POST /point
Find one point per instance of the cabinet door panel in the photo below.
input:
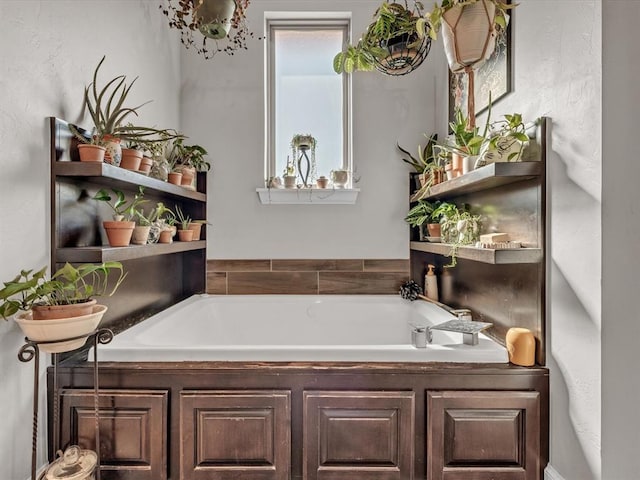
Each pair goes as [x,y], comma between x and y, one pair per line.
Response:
[358,435]
[235,434]
[477,435]
[133,430]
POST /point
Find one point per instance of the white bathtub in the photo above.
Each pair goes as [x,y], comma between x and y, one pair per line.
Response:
[288,328]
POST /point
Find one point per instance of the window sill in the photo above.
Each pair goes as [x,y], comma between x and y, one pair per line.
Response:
[303,196]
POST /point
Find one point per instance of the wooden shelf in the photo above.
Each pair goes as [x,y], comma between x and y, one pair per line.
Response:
[116,177]
[132,252]
[483,255]
[484,178]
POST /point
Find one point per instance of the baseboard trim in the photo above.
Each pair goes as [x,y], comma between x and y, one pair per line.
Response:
[551,473]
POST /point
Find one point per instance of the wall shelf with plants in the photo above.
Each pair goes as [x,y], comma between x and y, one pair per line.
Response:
[483,255]
[487,177]
[108,254]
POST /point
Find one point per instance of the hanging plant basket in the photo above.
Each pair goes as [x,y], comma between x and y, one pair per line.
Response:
[406,53]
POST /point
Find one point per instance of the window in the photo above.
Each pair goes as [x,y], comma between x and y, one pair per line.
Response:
[304,94]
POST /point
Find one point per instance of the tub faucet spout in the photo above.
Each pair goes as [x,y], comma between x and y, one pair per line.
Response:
[421,336]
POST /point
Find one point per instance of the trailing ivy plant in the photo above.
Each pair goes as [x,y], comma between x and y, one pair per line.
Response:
[392,20]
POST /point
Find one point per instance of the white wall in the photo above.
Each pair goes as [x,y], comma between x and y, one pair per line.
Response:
[223,110]
[558,71]
[48,51]
[621,230]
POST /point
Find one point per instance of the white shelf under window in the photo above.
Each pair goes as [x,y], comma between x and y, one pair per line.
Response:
[306,196]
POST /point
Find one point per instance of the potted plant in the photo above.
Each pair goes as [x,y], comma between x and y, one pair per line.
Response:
[108,110]
[390,43]
[507,139]
[120,230]
[459,227]
[131,155]
[466,143]
[188,159]
[469,29]
[209,20]
[142,229]
[429,214]
[61,308]
[91,147]
[185,234]
[427,165]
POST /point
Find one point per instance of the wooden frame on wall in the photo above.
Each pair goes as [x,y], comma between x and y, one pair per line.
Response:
[495,76]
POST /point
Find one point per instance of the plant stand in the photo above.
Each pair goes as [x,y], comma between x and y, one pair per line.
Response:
[30,351]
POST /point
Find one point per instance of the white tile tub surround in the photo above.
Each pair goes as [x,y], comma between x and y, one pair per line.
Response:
[352,328]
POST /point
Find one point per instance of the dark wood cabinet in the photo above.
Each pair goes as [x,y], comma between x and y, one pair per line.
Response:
[358,435]
[310,421]
[133,430]
[474,435]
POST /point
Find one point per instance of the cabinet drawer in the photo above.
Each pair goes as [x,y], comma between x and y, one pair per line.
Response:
[133,430]
[235,434]
[358,435]
[483,434]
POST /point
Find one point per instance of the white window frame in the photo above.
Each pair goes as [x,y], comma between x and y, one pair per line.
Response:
[311,21]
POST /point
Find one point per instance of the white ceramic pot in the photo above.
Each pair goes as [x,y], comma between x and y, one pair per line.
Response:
[215,17]
[469,163]
[469,35]
[289,181]
[339,178]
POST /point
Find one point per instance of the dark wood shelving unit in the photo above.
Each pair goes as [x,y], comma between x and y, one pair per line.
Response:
[158,275]
[115,177]
[483,255]
[132,252]
[484,178]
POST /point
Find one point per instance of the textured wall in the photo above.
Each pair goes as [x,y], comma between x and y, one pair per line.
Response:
[620,229]
[223,109]
[48,51]
[558,71]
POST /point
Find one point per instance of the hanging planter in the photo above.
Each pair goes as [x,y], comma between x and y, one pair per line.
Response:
[214,17]
[469,34]
[469,30]
[391,44]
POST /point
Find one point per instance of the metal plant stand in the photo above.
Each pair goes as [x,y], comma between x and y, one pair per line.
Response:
[31,350]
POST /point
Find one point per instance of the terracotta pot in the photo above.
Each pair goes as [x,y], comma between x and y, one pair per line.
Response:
[140,235]
[145,165]
[91,153]
[437,176]
[456,162]
[188,177]
[113,155]
[50,312]
[175,178]
[166,236]
[185,235]
[434,230]
[131,159]
[119,233]
[469,34]
[196,227]
[322,182]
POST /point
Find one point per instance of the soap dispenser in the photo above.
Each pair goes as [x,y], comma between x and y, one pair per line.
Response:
[431,283]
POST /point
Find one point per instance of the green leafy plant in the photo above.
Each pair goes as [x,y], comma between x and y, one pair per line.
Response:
[426,155]
[507,133]
[68,285]
[119,204]
[459,228]
[432,21]
[426,212]
[108,111]
[187,155]
[183,220]
[392,20]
